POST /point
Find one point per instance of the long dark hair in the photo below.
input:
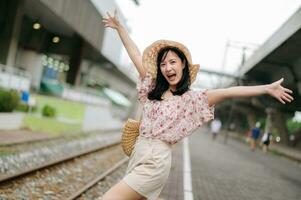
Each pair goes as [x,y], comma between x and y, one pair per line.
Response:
[162,84]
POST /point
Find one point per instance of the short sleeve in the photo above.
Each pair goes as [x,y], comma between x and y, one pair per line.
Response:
[201,112]
[144,86]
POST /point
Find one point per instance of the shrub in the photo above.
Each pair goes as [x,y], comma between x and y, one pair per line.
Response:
[9,100]
[293,126]
[48,111]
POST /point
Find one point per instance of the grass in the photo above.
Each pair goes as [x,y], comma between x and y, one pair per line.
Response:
[50,125]
[278,153]
[4,153]
[65,109]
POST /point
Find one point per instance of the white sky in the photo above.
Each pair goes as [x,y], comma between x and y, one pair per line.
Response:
[205,26]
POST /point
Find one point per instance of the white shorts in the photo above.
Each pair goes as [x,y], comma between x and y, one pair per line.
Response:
[149,167]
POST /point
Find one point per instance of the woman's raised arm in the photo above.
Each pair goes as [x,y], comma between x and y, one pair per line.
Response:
[130,46]
[275,90]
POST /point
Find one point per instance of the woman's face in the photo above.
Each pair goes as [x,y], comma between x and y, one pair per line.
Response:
[172,68]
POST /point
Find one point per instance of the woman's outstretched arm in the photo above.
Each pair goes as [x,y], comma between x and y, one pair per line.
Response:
[130,46]
[275,90]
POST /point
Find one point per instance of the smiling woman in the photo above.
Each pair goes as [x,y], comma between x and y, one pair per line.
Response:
[171,111]
[171,66]
[172,72]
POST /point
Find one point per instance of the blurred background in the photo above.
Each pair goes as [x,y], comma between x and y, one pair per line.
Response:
[68,85]
[70,74]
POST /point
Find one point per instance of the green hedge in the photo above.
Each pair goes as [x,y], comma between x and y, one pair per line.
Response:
[9,100]
[48,111]
[293,126]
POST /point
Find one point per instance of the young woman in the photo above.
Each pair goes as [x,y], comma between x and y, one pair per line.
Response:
[171,111]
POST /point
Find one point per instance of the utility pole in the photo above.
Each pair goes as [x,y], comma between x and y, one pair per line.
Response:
[243,46]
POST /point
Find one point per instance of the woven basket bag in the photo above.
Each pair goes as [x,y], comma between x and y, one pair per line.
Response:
[129,136]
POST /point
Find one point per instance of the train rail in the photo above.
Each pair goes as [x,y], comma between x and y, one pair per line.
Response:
[106,159]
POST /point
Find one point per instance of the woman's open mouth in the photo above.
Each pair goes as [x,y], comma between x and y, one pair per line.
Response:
[171,77]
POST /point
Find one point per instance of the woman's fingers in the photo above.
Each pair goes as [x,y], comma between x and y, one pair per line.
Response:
[107,22]
[110,21]
[280,80]
[289,96]
[285,98]
[109,15]
[288,90]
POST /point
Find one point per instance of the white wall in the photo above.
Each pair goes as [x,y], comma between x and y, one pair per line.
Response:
[100,118]
[32,62]
[12,78]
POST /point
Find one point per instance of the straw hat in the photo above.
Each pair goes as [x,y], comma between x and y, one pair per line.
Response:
[150,54]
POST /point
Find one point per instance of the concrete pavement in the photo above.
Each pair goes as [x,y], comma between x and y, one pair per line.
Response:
[232,172]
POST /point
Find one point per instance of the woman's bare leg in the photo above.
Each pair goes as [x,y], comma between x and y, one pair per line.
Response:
[121,191]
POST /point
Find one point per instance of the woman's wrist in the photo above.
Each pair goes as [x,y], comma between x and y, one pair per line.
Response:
[267,89]
[119,27]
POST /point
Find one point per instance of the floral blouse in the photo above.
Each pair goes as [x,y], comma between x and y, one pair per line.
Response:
[173,118]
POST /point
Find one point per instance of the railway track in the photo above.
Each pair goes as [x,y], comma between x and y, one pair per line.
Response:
[27,156]
[102,176]
[64,178]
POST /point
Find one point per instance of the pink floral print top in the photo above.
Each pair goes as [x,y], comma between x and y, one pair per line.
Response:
[173,118]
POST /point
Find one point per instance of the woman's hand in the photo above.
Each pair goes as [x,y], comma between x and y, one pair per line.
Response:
[128,43]
[281,93]
[111,22]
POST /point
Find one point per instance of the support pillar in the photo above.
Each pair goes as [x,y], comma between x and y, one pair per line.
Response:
[276,119]
[73,76]
[11,14]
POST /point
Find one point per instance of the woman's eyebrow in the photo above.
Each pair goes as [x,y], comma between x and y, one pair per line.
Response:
[163,61]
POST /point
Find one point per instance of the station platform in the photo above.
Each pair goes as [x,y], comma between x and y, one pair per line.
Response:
[230,171]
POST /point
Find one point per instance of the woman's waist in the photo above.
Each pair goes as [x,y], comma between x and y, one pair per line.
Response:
[151,140]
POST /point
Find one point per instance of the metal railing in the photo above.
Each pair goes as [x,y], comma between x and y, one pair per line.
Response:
[14,78]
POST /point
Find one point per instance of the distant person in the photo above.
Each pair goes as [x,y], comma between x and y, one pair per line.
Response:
[255,133]
[266,139]
[171,110]
[215,127]
[25,96]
